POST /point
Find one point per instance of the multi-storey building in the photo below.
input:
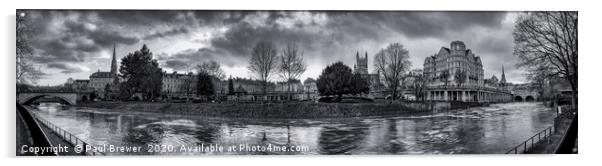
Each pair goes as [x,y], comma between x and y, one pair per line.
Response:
[450,61]
[295,86]
[81,84]
[443,69]
[178,84]
[310,90]
[100,80]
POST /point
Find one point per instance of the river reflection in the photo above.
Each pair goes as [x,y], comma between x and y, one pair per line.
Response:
[492,129]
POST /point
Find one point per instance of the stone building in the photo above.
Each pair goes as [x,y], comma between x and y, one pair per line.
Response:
[100,80]
[310,90]
[251,90]
[361,67]
[361,64]
[178,84]
[81,84]
[492,82]
[453,60]
[459,59]
[295,85]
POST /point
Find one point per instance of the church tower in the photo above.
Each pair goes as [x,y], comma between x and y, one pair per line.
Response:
[114,62]
[361,64]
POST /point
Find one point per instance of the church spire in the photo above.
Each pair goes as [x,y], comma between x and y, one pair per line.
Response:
[114,61]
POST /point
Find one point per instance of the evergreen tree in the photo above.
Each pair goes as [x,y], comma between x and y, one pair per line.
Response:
[336,79]
[205,85]
[360,84]
[142,74]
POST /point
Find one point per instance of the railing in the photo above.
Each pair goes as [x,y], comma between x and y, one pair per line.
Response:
[481,87]
[568,141]
[67,136]
[37,135]
[527,145]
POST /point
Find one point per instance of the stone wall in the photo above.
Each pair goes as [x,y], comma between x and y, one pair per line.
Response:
[268,110]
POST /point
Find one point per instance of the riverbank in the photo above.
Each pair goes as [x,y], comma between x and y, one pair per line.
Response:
[562,133]
[267,110]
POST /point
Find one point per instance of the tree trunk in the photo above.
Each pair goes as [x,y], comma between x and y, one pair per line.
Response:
[289,91]
[265,93]
[393,94]
[574,92]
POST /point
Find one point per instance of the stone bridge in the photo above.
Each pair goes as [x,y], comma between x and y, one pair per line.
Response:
[68,97]
[524,93]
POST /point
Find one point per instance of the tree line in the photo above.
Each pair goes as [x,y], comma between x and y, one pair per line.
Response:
[141,74]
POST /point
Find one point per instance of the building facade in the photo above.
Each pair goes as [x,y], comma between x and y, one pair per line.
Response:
[361,67]
[81,84]
[449,62]
[361,64]
[178,84]
[283,86]
[100,80]
[456,74]
[310,90]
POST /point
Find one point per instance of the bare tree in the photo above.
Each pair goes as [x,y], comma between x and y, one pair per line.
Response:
[212,68]
[392,63]
[291,65]
[26,71]
[263,62]
[548,41]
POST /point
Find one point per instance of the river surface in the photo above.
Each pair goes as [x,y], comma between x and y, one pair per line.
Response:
[480,130]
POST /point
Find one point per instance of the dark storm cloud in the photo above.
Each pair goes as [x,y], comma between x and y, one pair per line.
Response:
[72,37]
[414,23]
[141,18]
[67,69]
[77,35]
[240,39]
[58,66]
[341,27]
[221,17]
[167,33]
[495,44]
[325,36]
[100,37]
[351,27]
[177,65]
[187,59]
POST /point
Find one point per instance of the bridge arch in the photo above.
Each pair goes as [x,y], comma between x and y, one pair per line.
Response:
[518,98]
[529,98]
[26,100]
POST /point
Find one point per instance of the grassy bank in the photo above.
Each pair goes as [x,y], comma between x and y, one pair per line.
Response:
[257,110]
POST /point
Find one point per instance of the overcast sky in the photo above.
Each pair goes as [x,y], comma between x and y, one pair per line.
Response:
[78,43]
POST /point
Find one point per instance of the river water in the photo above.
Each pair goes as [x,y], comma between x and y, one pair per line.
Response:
[480,130]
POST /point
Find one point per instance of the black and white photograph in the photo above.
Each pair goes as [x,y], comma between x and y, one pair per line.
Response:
[300,83]
[102,82]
